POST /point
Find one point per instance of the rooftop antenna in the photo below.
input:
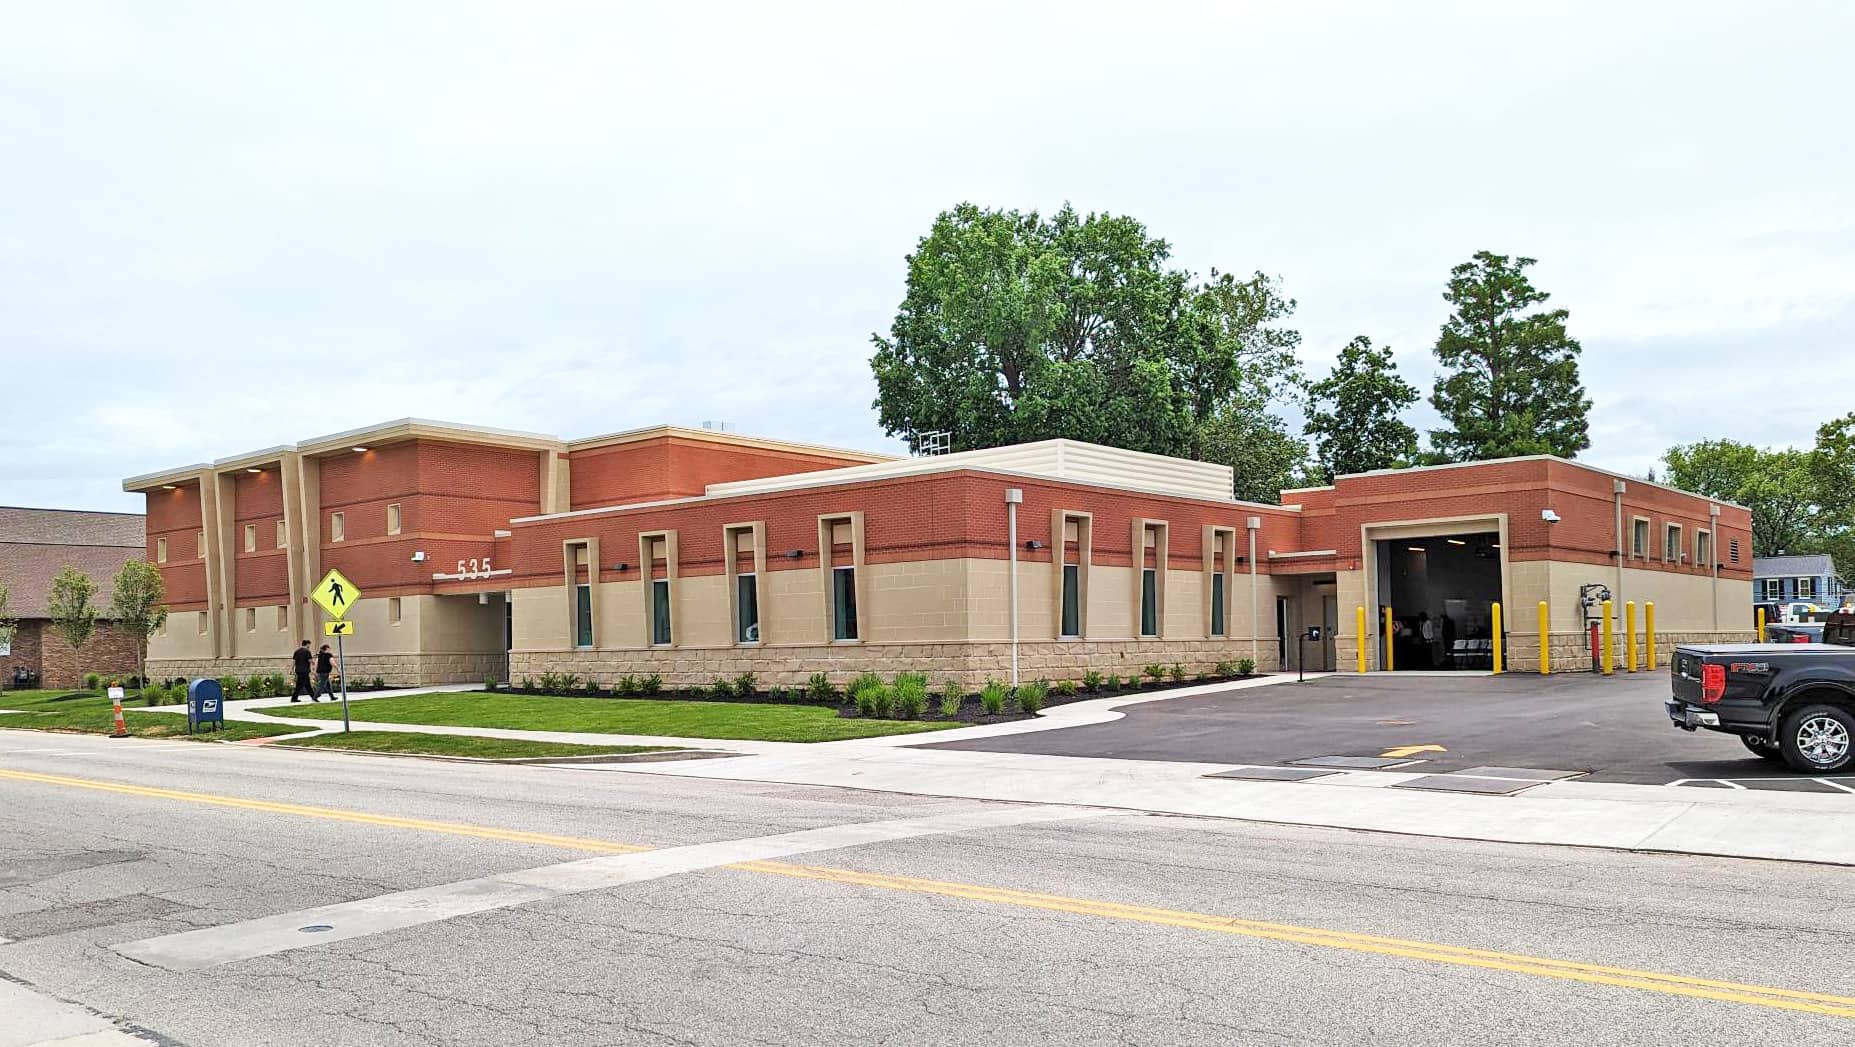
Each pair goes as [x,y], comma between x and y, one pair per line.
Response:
[933,442]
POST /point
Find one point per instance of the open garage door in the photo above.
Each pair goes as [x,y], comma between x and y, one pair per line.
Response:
[1441,591]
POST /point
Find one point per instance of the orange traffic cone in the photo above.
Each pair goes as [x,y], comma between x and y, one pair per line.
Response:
[122,729]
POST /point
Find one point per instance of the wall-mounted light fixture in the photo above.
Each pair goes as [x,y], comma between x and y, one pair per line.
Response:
[795,554]
[418,556]
[621,567]
[358,450]
[254,469]
[1243,559]
[169,487]
[1033,544]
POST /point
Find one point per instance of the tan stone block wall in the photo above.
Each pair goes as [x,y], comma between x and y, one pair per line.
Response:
[266,641]
[923,601]
[792,608]
[183,639]
[539,622]
[702,615]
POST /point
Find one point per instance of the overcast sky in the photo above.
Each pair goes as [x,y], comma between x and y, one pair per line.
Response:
[228,226]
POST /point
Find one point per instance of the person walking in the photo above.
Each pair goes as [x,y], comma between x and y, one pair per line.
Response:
[325,666]
[301,657]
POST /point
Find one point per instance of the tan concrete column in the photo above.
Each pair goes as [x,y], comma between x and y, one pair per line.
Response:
[220,542]
[215,567]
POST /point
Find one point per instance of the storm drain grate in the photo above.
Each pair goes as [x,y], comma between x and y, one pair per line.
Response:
[1274,774]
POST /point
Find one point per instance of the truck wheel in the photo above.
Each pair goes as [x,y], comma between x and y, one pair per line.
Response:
[1762,748]
[1817,739]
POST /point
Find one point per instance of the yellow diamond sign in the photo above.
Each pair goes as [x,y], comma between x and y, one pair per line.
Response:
[338,628]
[335,594]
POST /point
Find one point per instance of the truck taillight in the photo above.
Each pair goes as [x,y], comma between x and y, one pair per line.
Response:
[1800,638]
[1712,683]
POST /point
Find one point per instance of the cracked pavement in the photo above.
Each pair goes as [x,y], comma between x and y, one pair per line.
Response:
[735,956]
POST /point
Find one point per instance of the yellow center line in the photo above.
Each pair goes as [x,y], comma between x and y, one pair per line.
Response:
[1432,952]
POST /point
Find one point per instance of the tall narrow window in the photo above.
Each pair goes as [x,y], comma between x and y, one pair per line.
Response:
[1671,543]
[1703,549]
[283,534]
[844,603]
[283,617]
[1149,555]
[660,611]
[199,545]
[1149,602]
[746,608]
[582,615]
[161,550]
[1732,549]
[251,619]
[1217,604]
[1639,537]
[338,527]
[202,621]
[392,518]
[251,538]
[393,610]
[1072,599]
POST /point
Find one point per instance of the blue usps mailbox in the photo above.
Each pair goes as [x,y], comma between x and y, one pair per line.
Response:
[205,704]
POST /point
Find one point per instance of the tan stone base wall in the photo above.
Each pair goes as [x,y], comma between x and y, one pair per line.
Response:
[399,670]
[1571,651]
[970,664]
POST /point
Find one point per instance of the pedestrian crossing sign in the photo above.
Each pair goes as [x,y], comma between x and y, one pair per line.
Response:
[336,595]
[338,628]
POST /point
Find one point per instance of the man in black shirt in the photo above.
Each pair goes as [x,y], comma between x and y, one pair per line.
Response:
[325,667]
[300,658]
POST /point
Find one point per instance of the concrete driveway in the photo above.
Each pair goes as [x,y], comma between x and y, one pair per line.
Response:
[1612,729]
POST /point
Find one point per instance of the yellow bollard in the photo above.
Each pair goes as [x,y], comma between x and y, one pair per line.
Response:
[1359,620]
[1388,658]
[1545,645]
[1648,629]
[1608,660]
[1629,635]
[1497,639]
[1761,625]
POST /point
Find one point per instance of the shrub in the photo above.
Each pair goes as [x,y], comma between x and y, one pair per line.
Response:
[779,694]
[153,696]
[261,687]
[528,684]
[592,686]
[280,684]
[992,697]
[819,688]
[911,695]
[1064,688]
[569,681]
[1155,672]
[231,685]
[1202,677]
[865,682]
[550,681]
[92,681]
[876,702]
[1246,666]
[1091,680]
[652,684]
[1225,669]
[951,698]
[1031,696]
[627,685]
[490,682]
[1114,682]
[721,689]
[1177,672]
[746,686]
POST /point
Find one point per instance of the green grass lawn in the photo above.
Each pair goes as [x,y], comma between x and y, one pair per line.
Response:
[43,711]
[465,745]
[674,719]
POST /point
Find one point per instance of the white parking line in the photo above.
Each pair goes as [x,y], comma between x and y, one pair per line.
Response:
[211,946]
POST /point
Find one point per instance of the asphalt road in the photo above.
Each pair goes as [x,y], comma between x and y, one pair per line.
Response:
[1614,729]
[170,885]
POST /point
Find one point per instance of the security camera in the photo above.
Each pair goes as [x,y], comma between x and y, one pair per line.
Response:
[418,557]
[1549,516]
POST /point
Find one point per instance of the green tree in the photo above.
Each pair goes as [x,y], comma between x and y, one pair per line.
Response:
[137,606]
[1353,413]
[1779,486]
[1510,381]
[1266,458]
[1014,327]
[69,606]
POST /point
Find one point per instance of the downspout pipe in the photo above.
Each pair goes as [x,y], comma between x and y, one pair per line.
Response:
[1617,487]
[1254,524]
[1013,498]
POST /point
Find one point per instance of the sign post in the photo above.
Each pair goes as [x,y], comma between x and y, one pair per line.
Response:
[337,595]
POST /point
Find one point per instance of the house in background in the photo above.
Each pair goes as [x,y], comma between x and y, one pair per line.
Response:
[1805,578]
[34,545]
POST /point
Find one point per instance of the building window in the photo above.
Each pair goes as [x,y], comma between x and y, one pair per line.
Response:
[392,610]
[392,518]
[660,612]
[1072,600]
[283,617]
[1149,601]
[1806,588]
[844,603]
[1703,549]
[583,615]
[199,545]
[1150,557]
[251,619]
[283,534]
[1732,550]
[1774,588]
[251,538]
[1671,543]
[338,527]
[161,550]
[1639,537]
[746,608]
[1217,604]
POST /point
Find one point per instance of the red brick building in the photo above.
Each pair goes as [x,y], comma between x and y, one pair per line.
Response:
[34,545]
[697,554]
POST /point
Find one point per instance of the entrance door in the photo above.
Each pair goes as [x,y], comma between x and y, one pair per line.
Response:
[1330,628]
[1286,648]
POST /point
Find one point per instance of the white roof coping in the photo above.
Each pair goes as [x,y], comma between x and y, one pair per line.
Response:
[1627,478]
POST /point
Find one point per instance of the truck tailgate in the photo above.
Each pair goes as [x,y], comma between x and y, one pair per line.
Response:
[1684,675]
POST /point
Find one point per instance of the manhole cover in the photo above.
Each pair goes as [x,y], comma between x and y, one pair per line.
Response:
[316,928]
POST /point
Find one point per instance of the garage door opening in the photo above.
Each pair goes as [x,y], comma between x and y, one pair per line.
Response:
[1441,591]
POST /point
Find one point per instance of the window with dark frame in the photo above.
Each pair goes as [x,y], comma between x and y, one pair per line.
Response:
[844,603]
[660,612]
[582,615]
[746,608]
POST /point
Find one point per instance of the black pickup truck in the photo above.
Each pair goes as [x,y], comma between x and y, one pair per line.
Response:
[1789,702]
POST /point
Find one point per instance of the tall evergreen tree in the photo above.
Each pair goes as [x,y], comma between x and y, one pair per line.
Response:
[1510,382]
[1353,413]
